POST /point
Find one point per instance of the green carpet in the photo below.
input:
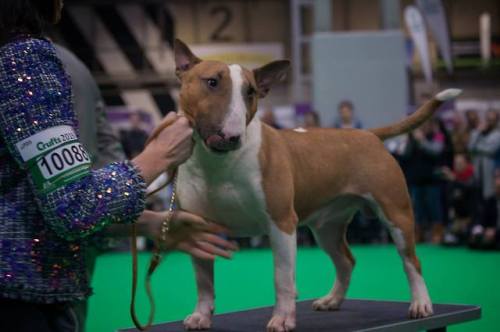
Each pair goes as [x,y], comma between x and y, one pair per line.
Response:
[453,276]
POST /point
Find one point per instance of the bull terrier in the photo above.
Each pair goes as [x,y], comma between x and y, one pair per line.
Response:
[256,180]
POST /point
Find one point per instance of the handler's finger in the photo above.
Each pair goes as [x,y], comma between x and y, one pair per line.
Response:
[188,248]
[198,253]
[216,229]
[219,241]
[189,218]
[168,120]
[183,217]
[171,117]
[214,250]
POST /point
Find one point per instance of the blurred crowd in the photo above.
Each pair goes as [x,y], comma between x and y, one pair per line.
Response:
[453,174]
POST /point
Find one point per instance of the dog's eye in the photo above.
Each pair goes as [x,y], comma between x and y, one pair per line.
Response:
[212,82]
[250,92]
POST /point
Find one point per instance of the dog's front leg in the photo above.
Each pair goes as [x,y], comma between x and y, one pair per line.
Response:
[284,248]
[201,318]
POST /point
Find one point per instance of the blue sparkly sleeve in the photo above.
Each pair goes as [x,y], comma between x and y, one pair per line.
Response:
[35,97]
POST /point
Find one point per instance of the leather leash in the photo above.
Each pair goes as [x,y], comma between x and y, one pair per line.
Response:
[157,257]
[151,269]
[153,263]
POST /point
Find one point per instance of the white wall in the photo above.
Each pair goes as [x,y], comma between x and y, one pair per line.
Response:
[367,68]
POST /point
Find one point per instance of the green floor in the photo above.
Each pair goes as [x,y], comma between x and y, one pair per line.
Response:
[453,276]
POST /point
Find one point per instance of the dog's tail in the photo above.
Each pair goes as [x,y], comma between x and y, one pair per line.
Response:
[418,117]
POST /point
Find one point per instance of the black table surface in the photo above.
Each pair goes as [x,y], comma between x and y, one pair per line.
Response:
[355,315]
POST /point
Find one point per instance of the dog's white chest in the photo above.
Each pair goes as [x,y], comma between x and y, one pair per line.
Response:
[226,189]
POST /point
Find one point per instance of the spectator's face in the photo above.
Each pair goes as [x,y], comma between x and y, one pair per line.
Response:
[458,122]
[310,120]
[428,127]
[491,119]
[345,113]
[135,120]
[459,163]
[472,119]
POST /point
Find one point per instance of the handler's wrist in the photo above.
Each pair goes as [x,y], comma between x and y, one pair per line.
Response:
[143,229]
[150,165]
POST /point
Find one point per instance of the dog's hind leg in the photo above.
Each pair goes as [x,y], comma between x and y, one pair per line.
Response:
[201,318]
[331,237]
[421,305]
[398,216]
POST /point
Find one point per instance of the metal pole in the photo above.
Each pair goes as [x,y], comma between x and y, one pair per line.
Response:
[391,13]
[322,15]
[296,28]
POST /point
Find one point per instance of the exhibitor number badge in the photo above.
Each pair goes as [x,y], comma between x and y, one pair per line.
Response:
[54,157]
[62,159]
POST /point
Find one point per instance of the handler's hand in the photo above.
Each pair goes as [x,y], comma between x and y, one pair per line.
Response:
[170,145]
[174,142]
[194,235]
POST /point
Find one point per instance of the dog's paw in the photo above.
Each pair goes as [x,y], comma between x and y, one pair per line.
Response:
[327,303]
[197,321]
[281,323]
[420,309]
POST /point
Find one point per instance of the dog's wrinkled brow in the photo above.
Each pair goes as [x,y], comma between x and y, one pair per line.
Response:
[219,74]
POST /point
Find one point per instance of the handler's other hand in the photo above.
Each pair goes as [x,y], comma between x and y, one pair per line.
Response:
[196,236]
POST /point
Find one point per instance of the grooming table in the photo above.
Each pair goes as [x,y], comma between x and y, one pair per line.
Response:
[355,315]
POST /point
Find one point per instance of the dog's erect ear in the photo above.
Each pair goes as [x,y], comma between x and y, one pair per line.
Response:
[184,58]
[270,74]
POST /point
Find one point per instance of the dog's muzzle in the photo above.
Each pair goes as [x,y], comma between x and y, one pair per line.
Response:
[220,143]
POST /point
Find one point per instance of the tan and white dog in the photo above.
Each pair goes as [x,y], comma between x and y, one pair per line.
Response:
[256,180]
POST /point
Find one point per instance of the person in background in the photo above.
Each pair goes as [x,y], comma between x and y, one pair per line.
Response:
[346,118]
[95,132]
[446,160]
[421,160]
[461,192]
[472,120]
[484,146]
[462,130]
[268,118]
[311,119]
[134,138]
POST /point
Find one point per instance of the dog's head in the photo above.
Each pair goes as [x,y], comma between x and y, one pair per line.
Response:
[220,100]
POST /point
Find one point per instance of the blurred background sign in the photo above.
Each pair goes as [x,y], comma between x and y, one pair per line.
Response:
[418,32]
[435,16]
[249,55]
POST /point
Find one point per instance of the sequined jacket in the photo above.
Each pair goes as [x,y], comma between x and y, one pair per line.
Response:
[42,234]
